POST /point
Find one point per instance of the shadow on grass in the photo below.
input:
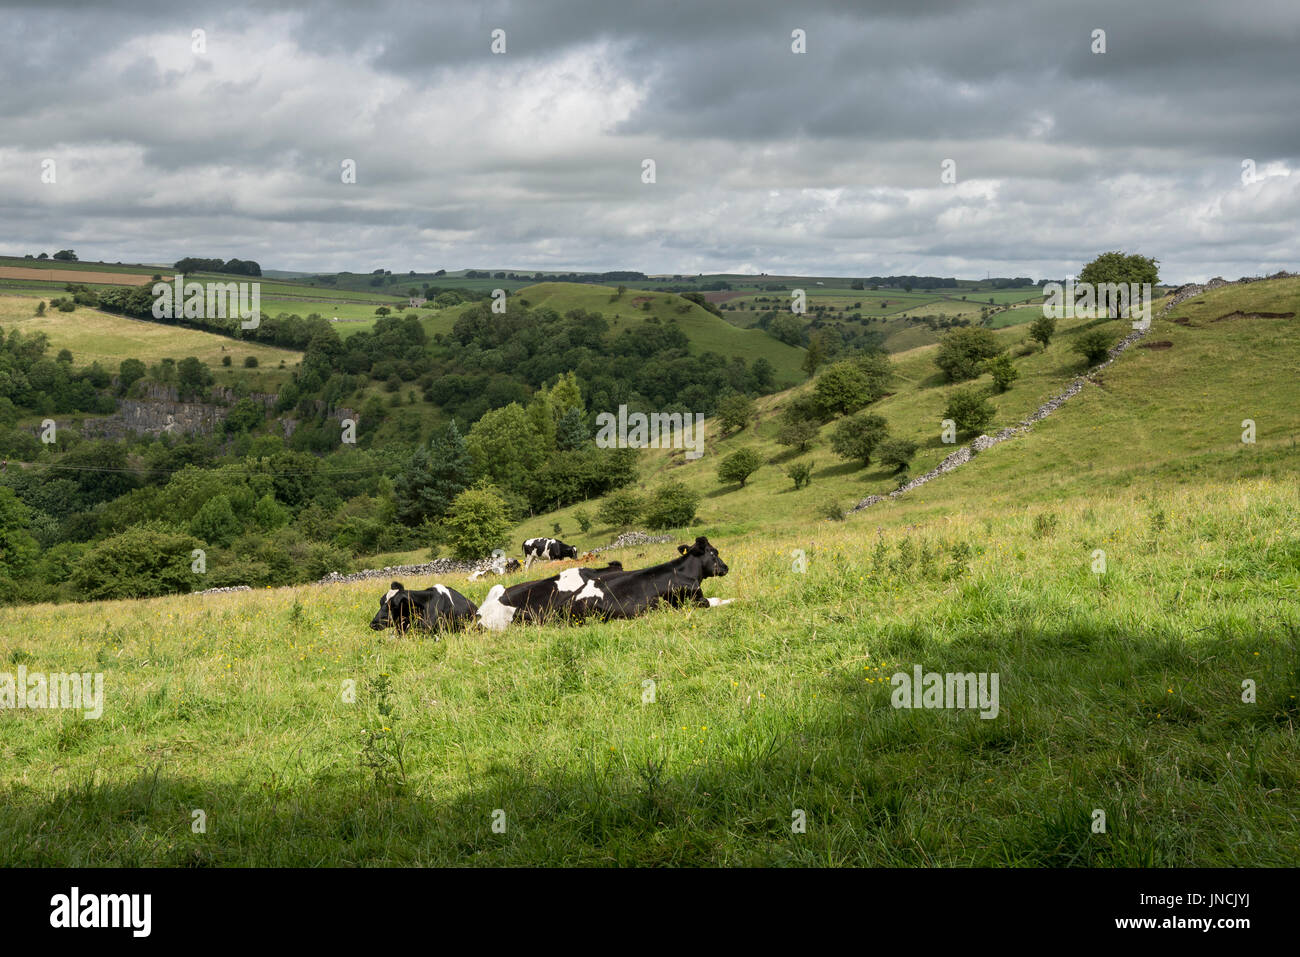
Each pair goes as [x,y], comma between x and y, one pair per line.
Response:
[834,471]
[1084,722]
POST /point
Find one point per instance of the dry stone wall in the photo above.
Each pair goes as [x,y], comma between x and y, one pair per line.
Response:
[985,442]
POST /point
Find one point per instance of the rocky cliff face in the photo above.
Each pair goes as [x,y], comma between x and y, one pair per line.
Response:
[159,411]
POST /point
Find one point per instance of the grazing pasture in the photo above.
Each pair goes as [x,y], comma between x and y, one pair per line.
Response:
[1120,692]
[95,336]
[1129,569]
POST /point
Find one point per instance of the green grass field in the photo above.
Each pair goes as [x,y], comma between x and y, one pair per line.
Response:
[1159,688]
[91,335]
[1119,692]
[1015,316]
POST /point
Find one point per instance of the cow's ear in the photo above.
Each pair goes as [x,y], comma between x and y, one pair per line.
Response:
[683,549]
[396,586]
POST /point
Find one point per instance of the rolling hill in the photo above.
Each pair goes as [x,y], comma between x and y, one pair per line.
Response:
[706,331]
[1153,413]
[694,737]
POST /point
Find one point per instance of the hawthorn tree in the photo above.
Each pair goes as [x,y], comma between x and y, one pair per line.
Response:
[1122,269]
[739,466]
[969,409]
[857,436]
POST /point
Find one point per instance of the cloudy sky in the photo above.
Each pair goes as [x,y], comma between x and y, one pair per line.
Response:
[828,161]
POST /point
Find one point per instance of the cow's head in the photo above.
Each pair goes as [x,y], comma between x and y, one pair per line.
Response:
[565,551]
[710,563]
[395,609]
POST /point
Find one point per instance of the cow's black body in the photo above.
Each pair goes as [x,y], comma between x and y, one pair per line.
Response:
[677,583]
[609,592]
[437,609]
[537,600]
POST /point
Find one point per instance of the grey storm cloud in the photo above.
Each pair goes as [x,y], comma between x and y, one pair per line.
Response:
[766,160]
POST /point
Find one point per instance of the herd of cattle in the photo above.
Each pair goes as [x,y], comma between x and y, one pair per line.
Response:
[574,594]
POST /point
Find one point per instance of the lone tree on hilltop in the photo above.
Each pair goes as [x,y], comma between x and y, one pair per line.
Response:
[1121,268]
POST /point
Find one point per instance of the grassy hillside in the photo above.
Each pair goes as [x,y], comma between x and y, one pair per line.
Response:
[706,331]
[1160,415]
[1121,687]
[1118,692]
[896,315]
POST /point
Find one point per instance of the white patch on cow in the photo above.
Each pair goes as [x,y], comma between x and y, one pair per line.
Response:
[591,591]
[444,591]
[715,602]
[570,580]
[390,594]
[494,614]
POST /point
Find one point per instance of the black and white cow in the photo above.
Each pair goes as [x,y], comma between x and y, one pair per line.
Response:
[438,608]
[537,600]
[548,548]
[677,583]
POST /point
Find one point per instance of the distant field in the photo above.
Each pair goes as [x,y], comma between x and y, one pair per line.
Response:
[1015,317]
[344,310]
[91,335]
[399,285]
[58,265]
[274,289]
[49,276]
[74,275]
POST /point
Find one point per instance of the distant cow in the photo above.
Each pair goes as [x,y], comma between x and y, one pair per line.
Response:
[539,600]
[549,548]
[677,583]
[438,609]
[498,566]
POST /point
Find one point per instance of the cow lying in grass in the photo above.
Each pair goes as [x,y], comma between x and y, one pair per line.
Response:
[610,592]
[537,601]
[436,609]
[676,583]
